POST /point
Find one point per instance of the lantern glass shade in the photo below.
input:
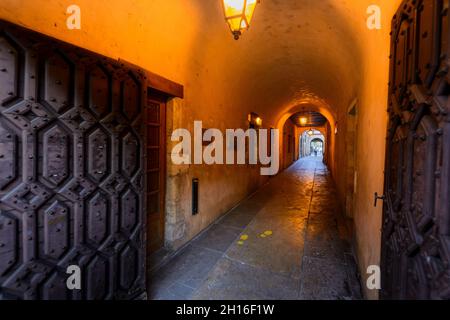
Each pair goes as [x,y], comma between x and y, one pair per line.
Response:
[303,121]
[238,14]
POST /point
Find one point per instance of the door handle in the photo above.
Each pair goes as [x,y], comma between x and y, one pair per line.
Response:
[378,197]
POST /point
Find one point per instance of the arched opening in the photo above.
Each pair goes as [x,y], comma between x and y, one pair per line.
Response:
[316,147]
[306,133]
[323,119]
[312,143]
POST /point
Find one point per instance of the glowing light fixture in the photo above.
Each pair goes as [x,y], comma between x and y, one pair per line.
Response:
[238,14]
[255,121]
[303,121]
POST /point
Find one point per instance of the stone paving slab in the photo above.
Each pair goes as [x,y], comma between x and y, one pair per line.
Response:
[273,253]
[219,238]
[234,280]
[323,279]
[190,268]
[237,219]
[287,241]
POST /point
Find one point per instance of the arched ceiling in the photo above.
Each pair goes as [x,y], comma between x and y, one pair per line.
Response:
[294,51]
[301,50]
[297,52]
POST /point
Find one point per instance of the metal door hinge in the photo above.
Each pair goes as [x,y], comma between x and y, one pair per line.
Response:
[378,197]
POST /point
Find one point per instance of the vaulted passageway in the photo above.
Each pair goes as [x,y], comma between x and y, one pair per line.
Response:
[318,58]
[286,241]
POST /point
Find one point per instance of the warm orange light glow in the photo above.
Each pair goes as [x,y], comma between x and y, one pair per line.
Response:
[255,120]
[303,121]
[238,14]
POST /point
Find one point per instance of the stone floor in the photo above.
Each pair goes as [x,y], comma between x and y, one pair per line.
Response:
[285,242]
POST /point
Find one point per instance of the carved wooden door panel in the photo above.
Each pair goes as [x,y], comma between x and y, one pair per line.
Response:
[71,171]
[416,218]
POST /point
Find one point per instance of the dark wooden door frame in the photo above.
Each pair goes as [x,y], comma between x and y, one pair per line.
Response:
[159,90]
[156,99]
[157,85]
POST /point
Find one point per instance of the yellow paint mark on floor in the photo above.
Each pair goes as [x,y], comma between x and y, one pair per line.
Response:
[244,237]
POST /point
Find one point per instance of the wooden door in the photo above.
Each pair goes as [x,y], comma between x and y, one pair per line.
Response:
[416,218]
[155,117]
[71,171]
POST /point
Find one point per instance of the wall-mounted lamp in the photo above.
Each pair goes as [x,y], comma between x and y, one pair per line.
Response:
[255,121]
[258,121]
[238,14]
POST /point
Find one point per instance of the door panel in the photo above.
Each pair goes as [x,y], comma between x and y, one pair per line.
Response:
[415,240]
[155,113]
[71,171]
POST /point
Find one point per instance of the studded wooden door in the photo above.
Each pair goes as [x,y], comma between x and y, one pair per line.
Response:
[71,171]
[416,225]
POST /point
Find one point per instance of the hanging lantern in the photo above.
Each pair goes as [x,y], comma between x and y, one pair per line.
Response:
[238,14]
